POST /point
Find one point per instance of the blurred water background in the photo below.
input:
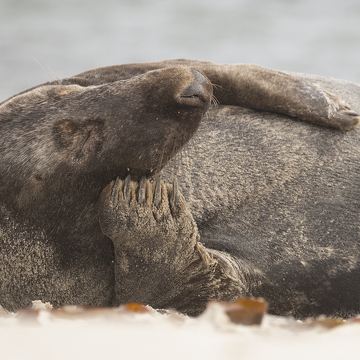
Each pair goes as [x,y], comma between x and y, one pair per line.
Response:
[71,36]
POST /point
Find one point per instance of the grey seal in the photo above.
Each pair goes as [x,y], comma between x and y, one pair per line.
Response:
[82,222]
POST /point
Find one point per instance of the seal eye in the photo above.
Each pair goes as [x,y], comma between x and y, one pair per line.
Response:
[79,140]
[66,126]
[64,131]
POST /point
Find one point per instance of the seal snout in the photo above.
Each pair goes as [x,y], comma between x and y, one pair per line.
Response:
[199,89]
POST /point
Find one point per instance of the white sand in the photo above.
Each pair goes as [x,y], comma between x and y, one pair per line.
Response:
[118,335]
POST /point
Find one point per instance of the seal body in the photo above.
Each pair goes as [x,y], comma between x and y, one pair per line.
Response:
[283,197]
[270,204]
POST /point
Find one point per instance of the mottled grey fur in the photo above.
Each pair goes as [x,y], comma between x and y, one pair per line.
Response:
[284,197]
[272,211]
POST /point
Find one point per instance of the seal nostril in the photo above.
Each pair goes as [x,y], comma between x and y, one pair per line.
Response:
[194,90]
[197,89]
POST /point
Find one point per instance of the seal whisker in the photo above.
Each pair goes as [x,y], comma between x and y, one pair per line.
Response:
[215,101]
[216,86]
[206,115]
[186,156]
[173,160]
[190,149]
[185,162]
[57,79]
[158,167]
[44,69]
[193,143]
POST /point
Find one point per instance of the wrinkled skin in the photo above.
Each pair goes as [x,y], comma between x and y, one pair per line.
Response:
[268,208]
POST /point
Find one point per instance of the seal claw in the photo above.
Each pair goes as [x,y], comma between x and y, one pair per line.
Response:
[114,196]
[157,192]
[175,194]
[127,189]
[142,191]
[350,113]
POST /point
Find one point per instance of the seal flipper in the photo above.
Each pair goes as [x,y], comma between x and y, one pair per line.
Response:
[345,120]
[159,260]
[259,88]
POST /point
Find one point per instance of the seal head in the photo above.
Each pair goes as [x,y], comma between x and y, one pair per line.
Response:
[57,136]
[60,146]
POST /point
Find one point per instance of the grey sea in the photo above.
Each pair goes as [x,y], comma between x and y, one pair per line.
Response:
[44,39]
